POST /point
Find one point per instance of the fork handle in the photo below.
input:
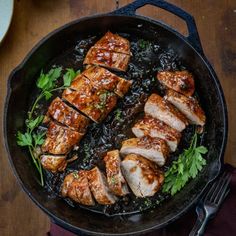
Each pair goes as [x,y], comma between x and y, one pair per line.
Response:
[199,227]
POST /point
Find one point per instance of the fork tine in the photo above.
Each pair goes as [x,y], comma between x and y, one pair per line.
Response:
[209,194]
[226,194]
[212,189]
[219,183]
[223,189]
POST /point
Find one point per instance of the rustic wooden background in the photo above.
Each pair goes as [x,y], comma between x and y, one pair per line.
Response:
[33,19]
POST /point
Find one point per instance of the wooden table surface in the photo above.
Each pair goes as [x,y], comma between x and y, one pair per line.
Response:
[33,19]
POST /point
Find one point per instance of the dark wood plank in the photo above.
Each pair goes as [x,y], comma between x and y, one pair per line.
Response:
[216,21]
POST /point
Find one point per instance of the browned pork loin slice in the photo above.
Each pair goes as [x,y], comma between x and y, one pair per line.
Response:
[115,179]
[99,187]
[122,87]
[53,163]
[66,115]
[109,59]
[100,78]
[149,126]
[60,139]
[114,42]
[111,51]
[180,81]
[154,149]
[161,109]
[76,187]
[142,175]
[189,106]
[96,104]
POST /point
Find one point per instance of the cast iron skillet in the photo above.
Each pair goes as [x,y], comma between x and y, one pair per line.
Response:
[123,20]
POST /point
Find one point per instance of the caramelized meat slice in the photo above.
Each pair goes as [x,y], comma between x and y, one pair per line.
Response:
[142,175]
[189,106]
[76,187]
[96,104]
[122,87]
[66,115]
[161,109]
[115,179]
[100,78]
[180,81]
[149,126]
[114,42]
[53,163]
[60,139]
[154,149]
[81,83]
[99,187]
[108,59]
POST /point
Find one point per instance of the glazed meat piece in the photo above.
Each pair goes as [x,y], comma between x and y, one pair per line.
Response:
[189,106]
[161,109]
[149,126]
[142,175]
[154,149]
[76,187]
[53,163]
[60,139]
[111,51]
[96,104]
[100,78]
[66,115]
[180,81]
[114,42]
[122,87]
[115,179]
[99,187]
[108,59]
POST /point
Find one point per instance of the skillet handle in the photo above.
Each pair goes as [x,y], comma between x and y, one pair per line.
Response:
[192,38]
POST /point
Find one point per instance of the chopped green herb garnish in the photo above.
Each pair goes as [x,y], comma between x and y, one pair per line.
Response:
[86,152]
[103,97]
[148,203]
[144,44]
[75,174]
[189,163]
[118,114]
[113,180]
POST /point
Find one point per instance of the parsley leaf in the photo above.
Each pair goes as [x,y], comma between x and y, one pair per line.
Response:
[24,139]
[33,123]
[47,95]
[188,165]
[38,138]
[47,81]
[69,76]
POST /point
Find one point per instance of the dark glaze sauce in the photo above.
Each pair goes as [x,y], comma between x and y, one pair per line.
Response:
[147,59]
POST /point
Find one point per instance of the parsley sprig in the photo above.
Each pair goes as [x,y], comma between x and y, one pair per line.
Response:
[189,163]
[32,138]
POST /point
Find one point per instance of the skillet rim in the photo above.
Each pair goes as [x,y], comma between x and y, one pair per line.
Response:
[219,161]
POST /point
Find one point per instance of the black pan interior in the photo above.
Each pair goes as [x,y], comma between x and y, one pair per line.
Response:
[165,51]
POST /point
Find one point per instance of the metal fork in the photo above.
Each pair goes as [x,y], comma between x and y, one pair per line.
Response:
[210,203]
